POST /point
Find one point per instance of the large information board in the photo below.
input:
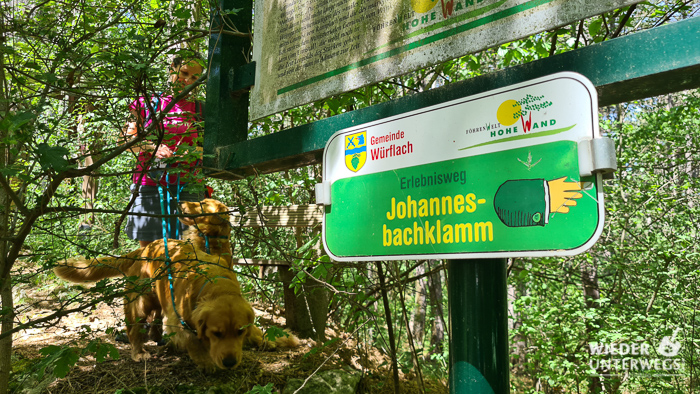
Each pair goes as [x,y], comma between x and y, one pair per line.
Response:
[308,50]
[500,174]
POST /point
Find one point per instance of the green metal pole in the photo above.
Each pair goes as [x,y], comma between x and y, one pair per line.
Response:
[226,111]
[478,310]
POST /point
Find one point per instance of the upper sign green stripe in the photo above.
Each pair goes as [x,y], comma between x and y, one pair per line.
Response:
[417,44]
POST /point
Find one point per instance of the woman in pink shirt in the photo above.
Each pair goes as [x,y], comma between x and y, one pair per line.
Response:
[155,168]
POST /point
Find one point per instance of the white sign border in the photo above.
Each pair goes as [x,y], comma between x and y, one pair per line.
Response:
[595,133]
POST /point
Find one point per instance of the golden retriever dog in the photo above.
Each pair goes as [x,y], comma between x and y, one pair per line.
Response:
[197,293]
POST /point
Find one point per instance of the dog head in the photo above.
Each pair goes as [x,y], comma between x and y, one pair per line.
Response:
[209,226]
[223,324]
[209,212]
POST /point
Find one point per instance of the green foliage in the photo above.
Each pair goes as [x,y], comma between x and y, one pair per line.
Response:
[59,359]
[52,157]
[257,389]
[69,73]
[644,264]
[274,332]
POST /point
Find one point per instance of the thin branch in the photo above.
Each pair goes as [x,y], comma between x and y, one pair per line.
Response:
[15,198]
[607,28]
[390,329]
[668,15]
[409,334]
[624,20]
[64,312]
[579,33]
[553,43]
[226,32]
[329,357]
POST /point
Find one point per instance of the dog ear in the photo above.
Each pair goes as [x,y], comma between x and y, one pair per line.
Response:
[200,318]
[201,329]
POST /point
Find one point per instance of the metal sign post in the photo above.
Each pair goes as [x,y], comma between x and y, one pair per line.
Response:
[478,310]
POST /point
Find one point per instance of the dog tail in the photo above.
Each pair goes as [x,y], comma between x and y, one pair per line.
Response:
[287,341]
[83,270]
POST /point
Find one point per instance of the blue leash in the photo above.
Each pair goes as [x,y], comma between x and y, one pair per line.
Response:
[165,200]
[167,209]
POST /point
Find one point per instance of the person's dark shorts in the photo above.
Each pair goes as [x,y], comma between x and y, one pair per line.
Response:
[149,228]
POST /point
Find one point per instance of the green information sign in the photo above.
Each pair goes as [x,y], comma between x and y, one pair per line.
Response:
[507,173]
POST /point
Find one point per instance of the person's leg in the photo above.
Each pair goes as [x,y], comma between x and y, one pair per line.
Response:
[141,223]
[144,229]
[89,192]
[147,229]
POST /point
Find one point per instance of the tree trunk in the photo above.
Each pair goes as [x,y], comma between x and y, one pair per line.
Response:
[7,307]
[306,311]
[6,343]
[591,293]
[437,336]
[7,310]
[417,320]
[297,317]
[317,298]
[519,355]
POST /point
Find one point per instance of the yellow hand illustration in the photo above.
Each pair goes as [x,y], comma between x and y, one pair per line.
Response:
[562,194]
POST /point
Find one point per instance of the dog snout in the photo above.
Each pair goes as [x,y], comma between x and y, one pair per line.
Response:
[230,362]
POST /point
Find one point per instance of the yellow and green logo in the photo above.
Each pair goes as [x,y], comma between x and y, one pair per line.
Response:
[508,112]
[356,150]
[515,117]
[423,6]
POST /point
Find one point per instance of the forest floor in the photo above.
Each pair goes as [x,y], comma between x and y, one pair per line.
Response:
[168,371]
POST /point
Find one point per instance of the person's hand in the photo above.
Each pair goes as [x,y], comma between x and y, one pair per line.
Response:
[131,129]
[163,152]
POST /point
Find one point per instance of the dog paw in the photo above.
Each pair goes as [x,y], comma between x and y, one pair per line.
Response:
[139,356]
[288,341]
[267,345]
[208,369]
[206,366]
